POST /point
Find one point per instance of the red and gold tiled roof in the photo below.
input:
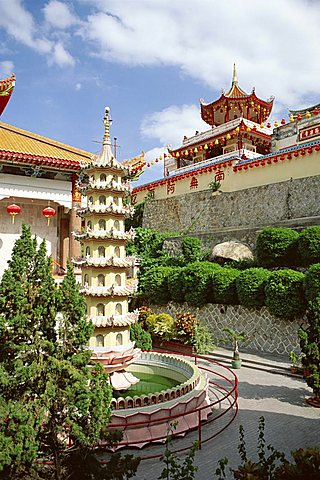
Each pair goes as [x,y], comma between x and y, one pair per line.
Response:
[6,89]
[18,146]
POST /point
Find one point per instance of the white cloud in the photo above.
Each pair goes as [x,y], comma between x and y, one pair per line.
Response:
[58,15]
[275,44]
[78,86]
[6,68]
[19,24]
[60,56]
[171,124]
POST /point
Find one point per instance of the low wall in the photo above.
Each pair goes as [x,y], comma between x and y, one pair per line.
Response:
[266,333]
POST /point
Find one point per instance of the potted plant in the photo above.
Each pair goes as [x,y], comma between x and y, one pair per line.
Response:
[294,362]
[235,337]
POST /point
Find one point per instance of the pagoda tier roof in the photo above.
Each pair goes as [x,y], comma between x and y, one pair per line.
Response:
[105,209]
[102,234]
[102,262]
[235,99]
[222,130]
[20,146]
[113,291]
[112,186]
[115,320]
[6,89]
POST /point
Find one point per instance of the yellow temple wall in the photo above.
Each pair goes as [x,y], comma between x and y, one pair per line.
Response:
[307,165]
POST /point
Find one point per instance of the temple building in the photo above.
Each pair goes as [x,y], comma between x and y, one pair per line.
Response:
[104,264]
[242,149]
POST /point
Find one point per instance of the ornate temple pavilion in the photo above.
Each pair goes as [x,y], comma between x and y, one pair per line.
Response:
[242,149]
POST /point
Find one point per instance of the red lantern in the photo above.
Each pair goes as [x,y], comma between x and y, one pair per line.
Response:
[268,125]
[315,111]
[13,210]
[48,212]
[299,117]
[283,121]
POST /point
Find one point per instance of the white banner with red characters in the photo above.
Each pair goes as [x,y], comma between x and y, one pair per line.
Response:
[309,132]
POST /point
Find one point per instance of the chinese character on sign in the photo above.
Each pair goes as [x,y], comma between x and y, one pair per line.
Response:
[219,176]
[170,188]
[194,183]
[133,198]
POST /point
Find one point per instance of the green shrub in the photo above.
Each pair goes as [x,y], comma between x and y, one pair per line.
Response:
[150,322]
[309,245]
[191,249]
[176,285]
[285,294]
[277,246]
[312,282]
[242,264]
[197,279]
[250,285]
[154,284]
[141,338]
[202,339]
[165,326]
[224,286]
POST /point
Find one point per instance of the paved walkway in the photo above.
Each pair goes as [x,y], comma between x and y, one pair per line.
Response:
[267,391]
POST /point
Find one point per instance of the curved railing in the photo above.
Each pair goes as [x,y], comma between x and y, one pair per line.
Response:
[223,400]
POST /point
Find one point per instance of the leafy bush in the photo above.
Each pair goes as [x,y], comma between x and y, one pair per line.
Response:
[309,245]
[176,285]
[154,284]
[191,249]
[285,294]
[150,322]
[141,338]
[312,282]
[202,339]
[162,325]
[250,286]
[242,264]
[277,246]
[224,286]
[197,279]
[185,326]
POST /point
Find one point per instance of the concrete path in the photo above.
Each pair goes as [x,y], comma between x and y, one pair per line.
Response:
[264,389]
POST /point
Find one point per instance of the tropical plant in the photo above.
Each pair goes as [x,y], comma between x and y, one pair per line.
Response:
[235,337]
[214,186]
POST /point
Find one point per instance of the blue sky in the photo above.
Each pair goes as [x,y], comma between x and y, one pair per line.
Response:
[151,61]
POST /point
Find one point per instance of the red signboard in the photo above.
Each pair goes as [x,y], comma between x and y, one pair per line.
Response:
[309,132]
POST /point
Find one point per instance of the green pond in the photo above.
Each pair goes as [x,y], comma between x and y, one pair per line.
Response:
[149,383]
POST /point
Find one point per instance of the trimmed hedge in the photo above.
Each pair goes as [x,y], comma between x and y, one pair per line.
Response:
[285,293]
[154,284]
[176,285]
[309,245]
[224,286]
[312,282]
[197,280]
[250,286]
[277,246]
[191,249]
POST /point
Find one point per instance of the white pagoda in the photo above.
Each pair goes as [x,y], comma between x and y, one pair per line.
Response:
[104,264]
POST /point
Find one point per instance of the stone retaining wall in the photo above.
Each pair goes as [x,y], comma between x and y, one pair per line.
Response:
[266,333]
[237,215]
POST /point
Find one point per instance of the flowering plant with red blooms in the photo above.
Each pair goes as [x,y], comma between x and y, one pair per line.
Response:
[144,312]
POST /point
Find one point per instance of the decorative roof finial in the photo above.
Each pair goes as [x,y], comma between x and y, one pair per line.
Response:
[107,122]
[234,77]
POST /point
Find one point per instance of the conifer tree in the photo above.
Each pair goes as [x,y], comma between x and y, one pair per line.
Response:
[44,372]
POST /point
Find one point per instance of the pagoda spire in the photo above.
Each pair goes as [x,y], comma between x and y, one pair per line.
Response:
[234,76]
[106,121]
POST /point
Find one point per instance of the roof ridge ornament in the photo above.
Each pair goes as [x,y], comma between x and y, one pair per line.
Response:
[234,76]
